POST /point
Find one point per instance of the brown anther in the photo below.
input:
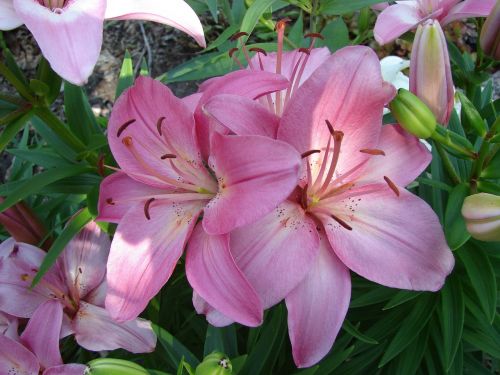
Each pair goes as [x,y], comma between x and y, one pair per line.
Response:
[281,24]
[338,135]
[314,35]
[232,51]
[146,208]
[237,36]
[392,185]
[100,165]
[308,153]
[110,201]
[330,127]
[372,151]
[303,197]
[305,50]
[80,269]
[341,222]
[25,277]
[159,123]
[258,50]
[123,127]
[127,141]
[15,250]
[168,156]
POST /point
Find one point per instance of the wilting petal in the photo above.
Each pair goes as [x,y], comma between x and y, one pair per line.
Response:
[176,13]
[255,174]
[242,115]
[469,9]
[16,359]
[8,17]
[72,369]
[41,335]
[151,249]
[317,307]
[212,273]
[405,158]
[214,317]
[70,40]
[95,330]
[276,252]
[396,241]
[395,20]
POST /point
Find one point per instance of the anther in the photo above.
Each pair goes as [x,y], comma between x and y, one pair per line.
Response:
[110,201]
[100,165]
[127,141]
[159,123]
[303,197]
[314,35]
[392,185]
[80,270]
[305,50]
[372,151]
[146,208]
[258,50]
[281,24]
[308,153]
[237,36]
[330,127]
[24,277]
[232,51]
[168,156]
[341,222]
[123,127]
[338,135]
[15,250]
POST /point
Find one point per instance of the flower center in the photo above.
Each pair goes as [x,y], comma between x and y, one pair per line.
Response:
[54,5]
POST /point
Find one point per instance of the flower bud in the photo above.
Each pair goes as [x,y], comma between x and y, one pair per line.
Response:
[215,364]
[490,34]
[412,114]
[482,216]
[112,366]
[430,72]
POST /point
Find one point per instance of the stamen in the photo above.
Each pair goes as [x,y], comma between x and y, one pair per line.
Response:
[110,201]
[168,156]
[392,185]
[305,50]
[324,163]
[330,127]
[258,50]
[280,29]
[337,137]
[146,208]
[123,127]
[237,36]
[159,124]
[303,197]
[314,35]
[235,59]
[127,141]
[310,152]
[372,151]
[341,222]
[100,165]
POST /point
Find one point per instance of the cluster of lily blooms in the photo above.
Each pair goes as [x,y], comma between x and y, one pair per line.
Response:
[273,182]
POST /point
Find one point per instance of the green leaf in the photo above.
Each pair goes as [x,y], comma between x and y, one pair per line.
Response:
[53,81]
[409,360]
[353,331]
[126,77]
[221,340]
[212,7]
[487,341]
[44,157]
[11,130]
[372,297]
[174,349]
[401,297]
[334,360]
[296,33]
[492,170]
[338,7]
[336,35]
[454,224]
[223,37]
[74,226]
[79,115]
[253,14]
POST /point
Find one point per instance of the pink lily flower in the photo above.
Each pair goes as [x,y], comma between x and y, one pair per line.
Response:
[77,283]
[350,210]
[69,32]
[37,350]
[165,184]
[8,326]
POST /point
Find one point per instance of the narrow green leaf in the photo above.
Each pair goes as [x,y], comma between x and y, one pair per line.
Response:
[454,224]
[79,114]
[156,372]
[409,360]
[74,226]
[253,14]
[353,331]
[212,7]
[44,157]
[337,7]
[334,360]
[126,77]
[296,33]
[474,367]
[221,340]
[308,371]
[372,297]
[174,349]
[223,37]
[11,130]
[488,342]
[401,297]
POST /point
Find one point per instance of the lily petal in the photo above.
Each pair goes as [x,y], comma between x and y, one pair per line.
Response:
[149,247]
[213,274]
[8,17]
[16,359]
[255,174]
[70,39]
[95,330]
[317,307]
[395,20]
[469,9]
[214,317]
[175,13]
[71,369]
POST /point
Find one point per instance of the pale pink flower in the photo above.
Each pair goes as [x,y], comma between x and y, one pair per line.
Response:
[69,32]
[164,185]
[77,283]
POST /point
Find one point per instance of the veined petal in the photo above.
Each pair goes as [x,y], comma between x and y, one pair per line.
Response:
[41,335]
[16,359]
[276,252]
[214,317]
[396,241]
[255,174]
[469,9]
[95,330]
[395,20]
[175,13]
[213,274]
[8,17]
[9,326]
[71,369]
[317,307]
[70,39]
[151,249]
[405,158]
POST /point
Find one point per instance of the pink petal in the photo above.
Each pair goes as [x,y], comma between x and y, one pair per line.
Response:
[317,307]
[8,17]
[276,252]
[95,330]
[192,101]
[70,40]
[149,247]
[213,274]
[8,326]
[214,317]
[41,335]
[405,158]
[348,90]
[72,369]
[175,13]
[396,241]
[242,115]
[395,20]
[16,359]
[255,174]
[469,9]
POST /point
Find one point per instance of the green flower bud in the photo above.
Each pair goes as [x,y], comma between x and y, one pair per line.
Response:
[412,114]
[112,366]
[482,216]
[215,364]
[471,117]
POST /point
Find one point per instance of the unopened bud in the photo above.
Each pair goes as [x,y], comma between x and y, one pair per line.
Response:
[112,366]
[482,216]
[215,364]
[490,34]
[412,114]
[471,117]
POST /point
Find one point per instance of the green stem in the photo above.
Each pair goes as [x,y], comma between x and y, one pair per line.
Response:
[11,99]
[477,167]
[14,81]
[7,119]
[449,143]
[448,166]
